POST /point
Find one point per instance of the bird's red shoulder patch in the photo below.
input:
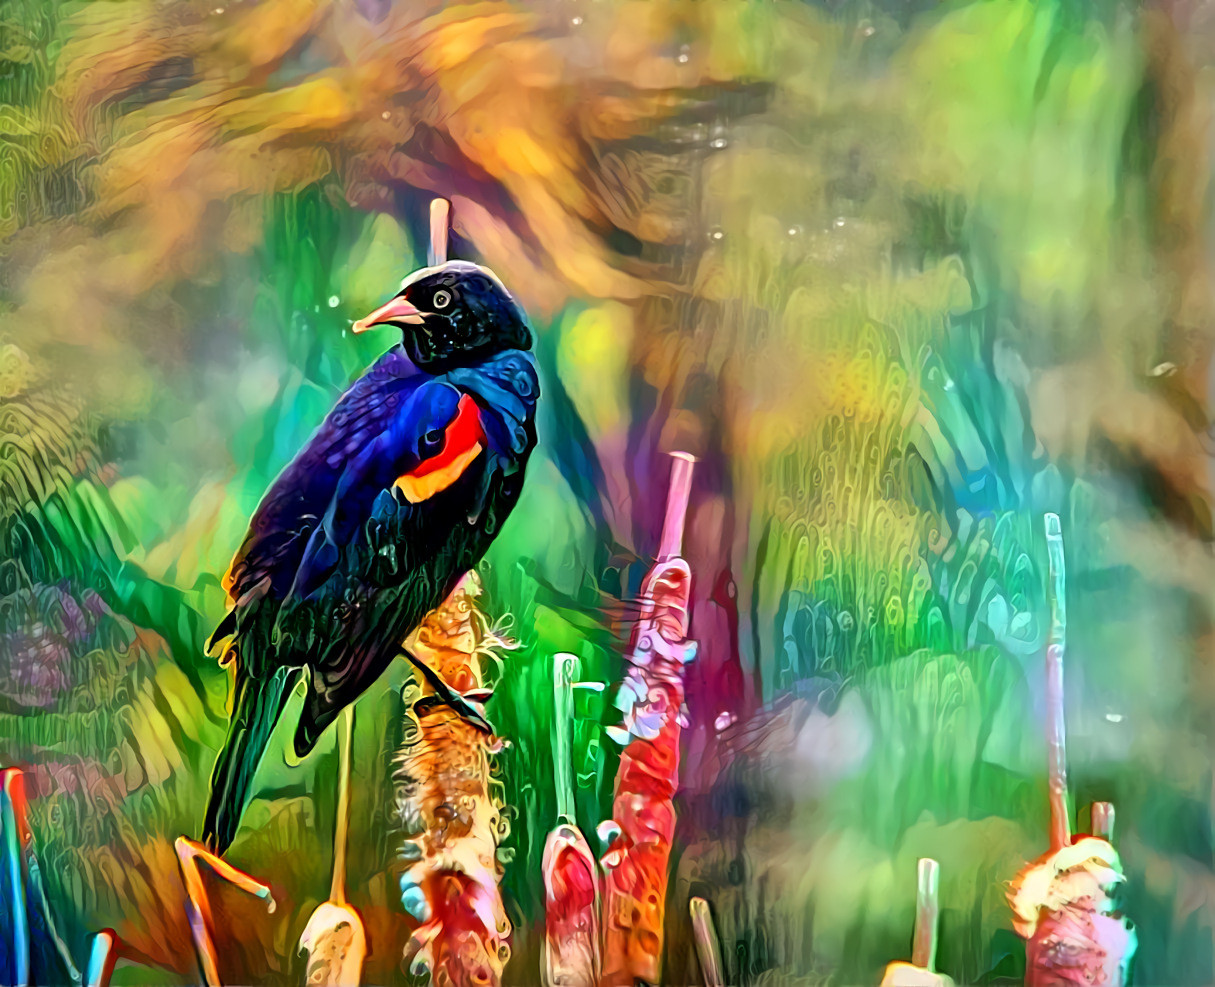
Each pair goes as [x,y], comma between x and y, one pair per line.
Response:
[463,442]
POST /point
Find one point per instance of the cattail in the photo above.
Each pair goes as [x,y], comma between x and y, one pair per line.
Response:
[1063,907]
[1062,903]
[921,971]
[447,808]
[334,938]
[643,813]
[571,873]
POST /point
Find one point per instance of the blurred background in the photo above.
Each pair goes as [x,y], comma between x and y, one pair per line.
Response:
[903,275]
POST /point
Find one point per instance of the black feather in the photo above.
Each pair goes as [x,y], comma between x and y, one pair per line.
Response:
[336,571]
[259,701]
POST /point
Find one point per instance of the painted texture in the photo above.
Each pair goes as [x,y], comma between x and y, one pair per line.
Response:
[903,276]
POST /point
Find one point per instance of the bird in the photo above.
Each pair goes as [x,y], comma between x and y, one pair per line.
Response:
[398,493]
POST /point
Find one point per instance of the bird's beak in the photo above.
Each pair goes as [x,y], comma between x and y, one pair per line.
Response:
[395,312]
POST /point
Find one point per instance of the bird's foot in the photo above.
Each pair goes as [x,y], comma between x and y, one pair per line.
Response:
[468,705]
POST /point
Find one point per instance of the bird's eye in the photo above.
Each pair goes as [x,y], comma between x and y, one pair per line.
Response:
[441,300]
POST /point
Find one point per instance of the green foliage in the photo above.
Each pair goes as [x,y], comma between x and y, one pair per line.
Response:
[929,210]
[933,717]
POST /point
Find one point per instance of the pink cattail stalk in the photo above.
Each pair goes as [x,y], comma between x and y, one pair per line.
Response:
[1103,821]
[708,948]
[103,955]
[440,222]
[1056,727]
[652,695]
[15,833]
[924,938]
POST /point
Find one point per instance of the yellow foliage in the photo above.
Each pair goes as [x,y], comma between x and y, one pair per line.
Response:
[457,37]
[593,361]
[263,33]
[376,263]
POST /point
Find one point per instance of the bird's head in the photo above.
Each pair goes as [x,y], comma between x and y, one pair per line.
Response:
[452,315]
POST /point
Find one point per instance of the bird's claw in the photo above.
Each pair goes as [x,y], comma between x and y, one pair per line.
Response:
[467,706]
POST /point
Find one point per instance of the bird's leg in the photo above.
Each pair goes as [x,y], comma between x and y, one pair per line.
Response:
[465,706]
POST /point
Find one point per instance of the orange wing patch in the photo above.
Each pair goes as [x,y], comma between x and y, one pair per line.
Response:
[419,488]
[462,444]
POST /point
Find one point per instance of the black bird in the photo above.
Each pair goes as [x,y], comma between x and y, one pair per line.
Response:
[398,493]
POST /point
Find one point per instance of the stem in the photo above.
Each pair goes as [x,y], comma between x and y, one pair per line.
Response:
[24,875]
[337,890]
[1103,821]
[924,941]
[440,216]
[38,891]
[103,954]
[1056,727]
[12,819]
[571,885]
[565,668]
[708,948]
[198,908]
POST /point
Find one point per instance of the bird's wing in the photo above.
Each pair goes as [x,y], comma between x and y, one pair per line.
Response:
[297,500]
[510,386]
[424,449]
[432,541]
[381,425]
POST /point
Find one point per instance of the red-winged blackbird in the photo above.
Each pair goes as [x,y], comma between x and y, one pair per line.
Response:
[396,496]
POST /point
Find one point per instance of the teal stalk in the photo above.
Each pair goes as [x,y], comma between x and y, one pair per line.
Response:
[565,670]
[102,954]
[38,889]
[1056,727]
[15,878]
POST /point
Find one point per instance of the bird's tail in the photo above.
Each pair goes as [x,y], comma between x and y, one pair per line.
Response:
[259,701]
